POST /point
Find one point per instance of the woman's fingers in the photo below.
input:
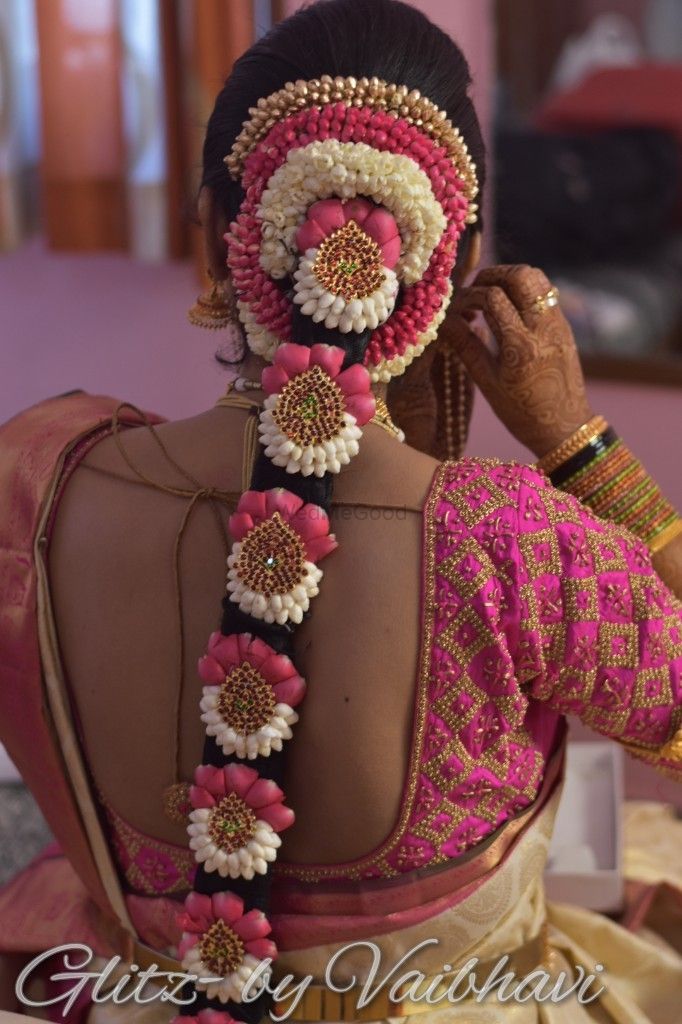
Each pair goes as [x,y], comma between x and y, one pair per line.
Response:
[471,349]
[524,285]
[501,316]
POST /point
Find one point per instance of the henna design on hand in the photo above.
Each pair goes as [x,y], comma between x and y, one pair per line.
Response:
[534,382]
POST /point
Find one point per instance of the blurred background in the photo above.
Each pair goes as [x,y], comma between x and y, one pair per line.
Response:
[102,110]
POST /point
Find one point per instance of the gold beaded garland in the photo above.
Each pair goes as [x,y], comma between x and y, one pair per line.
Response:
[272,558]
[310,408]
[349,263]
[245,700]
[375,93]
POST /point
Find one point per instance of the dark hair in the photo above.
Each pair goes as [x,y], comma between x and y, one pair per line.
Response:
[360,38]
[363,38]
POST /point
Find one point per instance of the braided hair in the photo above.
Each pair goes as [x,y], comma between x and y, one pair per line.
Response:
[325,295]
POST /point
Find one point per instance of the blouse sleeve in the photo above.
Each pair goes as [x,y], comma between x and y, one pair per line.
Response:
[599,634]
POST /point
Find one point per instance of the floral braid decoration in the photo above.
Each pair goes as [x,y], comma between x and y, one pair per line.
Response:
[354,198]
[318,399]
[368,144]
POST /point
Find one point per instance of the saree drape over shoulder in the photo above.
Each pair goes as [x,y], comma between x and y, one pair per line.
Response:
[531,609]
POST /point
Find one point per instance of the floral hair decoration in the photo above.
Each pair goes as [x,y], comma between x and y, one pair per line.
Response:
[356,194]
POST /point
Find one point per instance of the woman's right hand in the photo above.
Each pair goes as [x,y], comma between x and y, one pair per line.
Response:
[534,382]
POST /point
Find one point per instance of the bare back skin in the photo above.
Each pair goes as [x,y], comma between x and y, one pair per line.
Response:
[111,567]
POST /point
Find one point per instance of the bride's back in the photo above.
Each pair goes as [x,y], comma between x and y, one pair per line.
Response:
[112,581]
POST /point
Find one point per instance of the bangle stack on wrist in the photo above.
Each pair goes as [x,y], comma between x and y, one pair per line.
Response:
[594,465]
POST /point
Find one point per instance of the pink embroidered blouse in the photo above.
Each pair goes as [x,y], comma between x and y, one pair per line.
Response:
[532,608]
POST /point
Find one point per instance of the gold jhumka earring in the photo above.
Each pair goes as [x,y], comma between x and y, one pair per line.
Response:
[215,308]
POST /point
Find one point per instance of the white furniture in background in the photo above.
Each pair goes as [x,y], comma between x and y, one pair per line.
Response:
[585,857]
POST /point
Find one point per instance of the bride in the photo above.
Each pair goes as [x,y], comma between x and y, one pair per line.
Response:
[369,759]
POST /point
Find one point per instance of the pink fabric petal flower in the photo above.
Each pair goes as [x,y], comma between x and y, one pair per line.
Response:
[328,357]
[210,778]
[201,798]
[273,379]
[319,547]
[253,504]
[239,525]
[264,792]
[227,906]
[362,407]
[258,652]
[262,948]
[354,380]
[198,912]
[239,779]
[210,670]
[358,210]
[253,925]
[225,649]
[284,502]
[322,219]
[277,815]
[310,521]
[293,359]
[278,667]
[290,691]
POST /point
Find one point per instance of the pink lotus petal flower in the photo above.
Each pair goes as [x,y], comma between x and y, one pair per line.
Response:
[254,925]
[319,547]
[262,795]
[290,691]
[262,948]
[251,927]
[227,906]
[362,407]
[226,649]
[328,215]
[293,359]
[210,670]
[277,668]
[359,210]
[284,502]
[322,219]
[200,797]
[273,379]
[328,357]
[240,779]
[240,523]
[253,504]
[227,653]
[353,381]
[308,525]
[263,792]
[277,816]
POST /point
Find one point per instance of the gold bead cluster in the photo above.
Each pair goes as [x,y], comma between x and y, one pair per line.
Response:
[232,823]
[272,558]
[245,700]
[221,949]
[396,100]
[310,408]
[349,264]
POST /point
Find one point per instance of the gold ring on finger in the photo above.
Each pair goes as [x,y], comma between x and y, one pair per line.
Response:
[546,301]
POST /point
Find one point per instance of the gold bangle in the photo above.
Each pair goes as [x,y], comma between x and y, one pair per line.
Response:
[573,444]
[666,535]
